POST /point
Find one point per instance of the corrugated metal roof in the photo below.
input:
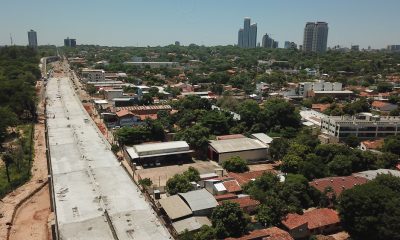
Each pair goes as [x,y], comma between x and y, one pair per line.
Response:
[159,148]
[236,145]
[175,207]
[199,199]
[219,187]
[263,137]
[191,224]
[372,174]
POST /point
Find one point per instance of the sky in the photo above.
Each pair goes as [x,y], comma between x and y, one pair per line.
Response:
[366,23]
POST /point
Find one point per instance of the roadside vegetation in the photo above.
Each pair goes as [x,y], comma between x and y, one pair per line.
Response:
[19,72]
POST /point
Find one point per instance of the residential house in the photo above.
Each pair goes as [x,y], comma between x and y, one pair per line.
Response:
[371,145]
[337,184]
[384,107]
[272,233]
[317,221]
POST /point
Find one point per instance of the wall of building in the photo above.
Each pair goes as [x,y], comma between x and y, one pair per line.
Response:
[251,155]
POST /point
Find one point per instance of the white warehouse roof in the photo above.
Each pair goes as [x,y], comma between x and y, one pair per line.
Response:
[158,149]
[236,145]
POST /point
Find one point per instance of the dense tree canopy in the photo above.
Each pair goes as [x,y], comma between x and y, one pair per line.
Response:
[229,220]
[372,210]
[235,164]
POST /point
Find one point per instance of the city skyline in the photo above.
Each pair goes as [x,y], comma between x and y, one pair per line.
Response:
[204,23]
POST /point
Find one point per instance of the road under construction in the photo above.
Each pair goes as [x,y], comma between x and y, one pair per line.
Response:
[92,195]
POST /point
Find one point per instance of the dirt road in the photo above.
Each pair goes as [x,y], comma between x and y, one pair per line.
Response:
[9,204]
[31,218]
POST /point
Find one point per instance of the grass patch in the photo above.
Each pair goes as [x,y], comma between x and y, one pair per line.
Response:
[20,169]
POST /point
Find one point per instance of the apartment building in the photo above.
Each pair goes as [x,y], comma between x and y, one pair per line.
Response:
[363,125]
[93,75]
[305,88]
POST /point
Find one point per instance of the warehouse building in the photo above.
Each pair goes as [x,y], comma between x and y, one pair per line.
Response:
[180,215]
[249,149]
[201,202]
[156,154]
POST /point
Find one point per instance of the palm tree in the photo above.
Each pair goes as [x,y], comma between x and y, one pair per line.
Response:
[8,160]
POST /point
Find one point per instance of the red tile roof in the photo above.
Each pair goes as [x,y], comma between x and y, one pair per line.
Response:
[225,197]
[272,233]
[243,178]
[338,184]
[123,113]
[232,186]
[373,144]
[245,202]
[320,107]
[315,219]
[379,104]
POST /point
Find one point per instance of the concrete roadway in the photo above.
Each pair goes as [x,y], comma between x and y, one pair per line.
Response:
[88,180]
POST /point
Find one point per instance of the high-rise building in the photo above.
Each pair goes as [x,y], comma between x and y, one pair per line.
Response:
[290,45]
[246,32]
[240,38]
[247,36]
[355,48]
[320,38]
[308,37]
[69,42]
[315,37]
[253,35]
[32,39]
[177,43]
[268,42]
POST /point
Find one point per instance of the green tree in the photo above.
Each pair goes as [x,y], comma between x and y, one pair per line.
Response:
[196,136]
[392,145]
[341,165]
[235,164]
[384,87]
[229,220]
[352,140]
[372,211]
[192,174]
[145,182]
[147,99]
[278,148]
[291,163]
[8,159]
[278,112]
[179,183]
[248,111]
[262,187]
[272,212]
[216,122]
[205,233]
[7,119]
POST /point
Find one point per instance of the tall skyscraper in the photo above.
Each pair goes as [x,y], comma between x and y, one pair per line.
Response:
[246,32]
[32,39]
[320,38]
[253,35]
[69,42]
[268,42]
[315,37]
[247,36]
[308,37]
[240,38]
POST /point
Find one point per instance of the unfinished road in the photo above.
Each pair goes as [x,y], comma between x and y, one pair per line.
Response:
[93,195]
